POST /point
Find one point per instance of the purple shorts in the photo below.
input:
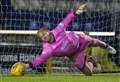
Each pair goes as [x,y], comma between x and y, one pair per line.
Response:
[79,59]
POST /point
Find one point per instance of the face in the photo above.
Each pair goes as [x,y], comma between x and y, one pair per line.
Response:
[46,36]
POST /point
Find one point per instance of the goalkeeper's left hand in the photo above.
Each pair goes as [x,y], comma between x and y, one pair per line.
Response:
[111,50]
[18,69]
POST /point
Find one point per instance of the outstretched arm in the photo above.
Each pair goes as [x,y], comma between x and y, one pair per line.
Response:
[65,22]
[18,68]
[70,16]
[39,60]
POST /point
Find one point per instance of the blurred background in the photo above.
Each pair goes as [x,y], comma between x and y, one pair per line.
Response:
[34,14]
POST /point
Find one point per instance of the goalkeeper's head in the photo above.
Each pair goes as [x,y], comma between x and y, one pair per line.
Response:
[45,35]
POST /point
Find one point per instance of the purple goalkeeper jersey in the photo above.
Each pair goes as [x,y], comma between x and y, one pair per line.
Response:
[66,44]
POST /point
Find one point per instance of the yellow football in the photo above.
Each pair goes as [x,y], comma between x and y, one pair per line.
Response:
[17,69]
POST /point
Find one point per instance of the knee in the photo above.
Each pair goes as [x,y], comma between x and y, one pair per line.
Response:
[85,70]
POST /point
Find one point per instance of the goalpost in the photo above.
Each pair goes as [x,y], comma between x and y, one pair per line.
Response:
[20,20]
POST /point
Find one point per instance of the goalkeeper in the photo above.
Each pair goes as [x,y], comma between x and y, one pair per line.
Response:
[59,43]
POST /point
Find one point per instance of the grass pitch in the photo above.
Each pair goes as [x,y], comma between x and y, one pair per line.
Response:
[62,78]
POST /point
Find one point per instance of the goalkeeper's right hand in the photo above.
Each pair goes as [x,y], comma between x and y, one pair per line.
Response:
[111,50]
[18,69]
[82,8]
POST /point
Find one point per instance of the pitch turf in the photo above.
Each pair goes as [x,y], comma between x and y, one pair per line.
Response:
[62,78]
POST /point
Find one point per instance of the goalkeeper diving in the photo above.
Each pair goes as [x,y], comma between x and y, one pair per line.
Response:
[59,43]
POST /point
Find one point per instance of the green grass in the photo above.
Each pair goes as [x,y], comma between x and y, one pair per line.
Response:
[62,78]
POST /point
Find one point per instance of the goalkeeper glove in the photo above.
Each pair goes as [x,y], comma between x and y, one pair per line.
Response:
[18,69]
[81,9]
[111,50]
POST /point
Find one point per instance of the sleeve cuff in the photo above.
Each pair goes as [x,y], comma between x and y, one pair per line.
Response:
[31,66]
[75,13]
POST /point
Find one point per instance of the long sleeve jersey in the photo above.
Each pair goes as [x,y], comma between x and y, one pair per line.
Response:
[66,44]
